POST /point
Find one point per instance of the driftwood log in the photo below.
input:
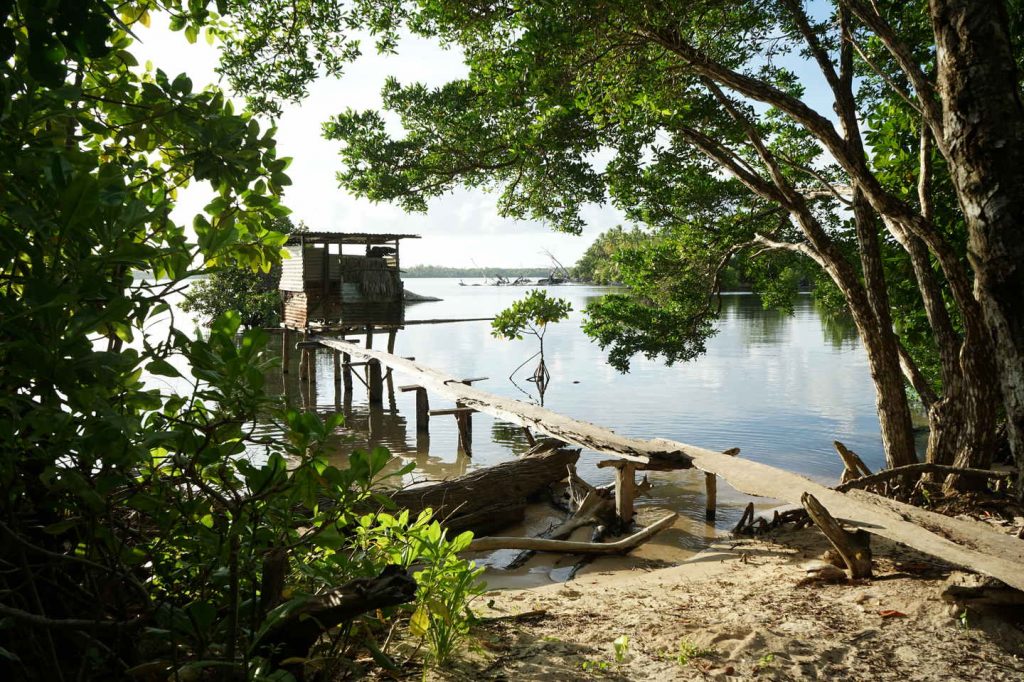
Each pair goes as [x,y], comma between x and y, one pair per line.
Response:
[623,546]
[488,499]
[920,468]
[297,632]
[854,548]
[595,508]
[854,466]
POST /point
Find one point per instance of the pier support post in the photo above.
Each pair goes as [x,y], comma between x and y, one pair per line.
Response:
[422,407]
[304,360]
[464,420]
[286,349]
[311,378]
[711,488]
[376,382]
[625,491]
[346,373]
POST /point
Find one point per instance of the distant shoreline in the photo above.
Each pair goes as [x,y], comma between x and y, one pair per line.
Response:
[415,271]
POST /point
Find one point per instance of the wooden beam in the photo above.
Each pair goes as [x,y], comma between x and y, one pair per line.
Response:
[448,411]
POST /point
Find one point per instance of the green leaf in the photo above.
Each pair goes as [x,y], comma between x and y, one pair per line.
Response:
[162,368]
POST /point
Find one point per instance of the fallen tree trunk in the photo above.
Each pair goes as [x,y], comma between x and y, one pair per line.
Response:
[488,499]
[567,547]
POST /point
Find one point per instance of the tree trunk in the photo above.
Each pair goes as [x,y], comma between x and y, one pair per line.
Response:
[983,125]
[885,366]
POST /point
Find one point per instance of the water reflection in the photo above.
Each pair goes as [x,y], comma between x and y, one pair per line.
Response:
[780,387]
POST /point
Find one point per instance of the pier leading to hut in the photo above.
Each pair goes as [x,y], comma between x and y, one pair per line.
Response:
[342,279]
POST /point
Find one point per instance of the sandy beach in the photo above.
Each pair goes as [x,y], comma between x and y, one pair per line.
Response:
[745,609]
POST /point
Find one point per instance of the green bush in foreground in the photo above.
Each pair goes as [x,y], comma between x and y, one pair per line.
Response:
[147,528]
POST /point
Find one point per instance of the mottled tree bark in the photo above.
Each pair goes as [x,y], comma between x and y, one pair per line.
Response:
[983,127]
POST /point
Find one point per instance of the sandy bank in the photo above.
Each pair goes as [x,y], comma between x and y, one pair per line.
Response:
[742,610]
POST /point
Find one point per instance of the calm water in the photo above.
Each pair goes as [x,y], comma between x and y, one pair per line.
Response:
[779,387]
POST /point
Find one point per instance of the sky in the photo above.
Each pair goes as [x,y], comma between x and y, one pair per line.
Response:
[462,229]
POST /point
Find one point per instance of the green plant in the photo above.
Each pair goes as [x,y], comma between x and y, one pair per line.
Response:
[591,666]
[621,645]
[765,661]
[145,520]
[531,315]
[446,585]
[689,651]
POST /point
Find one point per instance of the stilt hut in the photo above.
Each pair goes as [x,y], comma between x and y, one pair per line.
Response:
[342,280]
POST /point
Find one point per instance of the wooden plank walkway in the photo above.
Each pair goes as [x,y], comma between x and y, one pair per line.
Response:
[969,544]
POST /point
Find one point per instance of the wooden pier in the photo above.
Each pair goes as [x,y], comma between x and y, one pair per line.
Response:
[968,544]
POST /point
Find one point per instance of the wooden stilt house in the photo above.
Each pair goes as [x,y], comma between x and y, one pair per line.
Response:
[342,280]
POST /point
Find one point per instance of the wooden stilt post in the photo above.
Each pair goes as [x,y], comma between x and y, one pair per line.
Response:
[464,419]
[311,378]
[423,443]
[422,407]
[711,488]
[346,373]
[376,383]
[390,380]
[304,360]
[625,491]
[337,369]
[369,344]
[286,349]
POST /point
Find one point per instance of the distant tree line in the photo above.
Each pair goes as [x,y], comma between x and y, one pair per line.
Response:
[443,271]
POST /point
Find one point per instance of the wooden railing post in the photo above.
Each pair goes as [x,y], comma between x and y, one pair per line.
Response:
[422,407]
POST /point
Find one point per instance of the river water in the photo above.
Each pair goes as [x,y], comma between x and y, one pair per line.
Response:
[780,387]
